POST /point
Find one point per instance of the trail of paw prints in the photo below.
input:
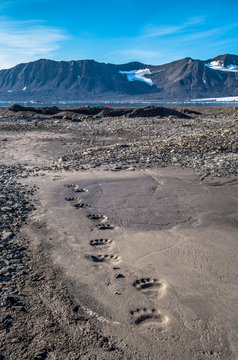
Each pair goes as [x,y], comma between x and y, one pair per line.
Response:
[101,225]
[145,316]
[73,199]
[150,286]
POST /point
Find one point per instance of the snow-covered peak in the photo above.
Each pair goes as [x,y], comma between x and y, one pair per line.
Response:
[138,75]
[219,65]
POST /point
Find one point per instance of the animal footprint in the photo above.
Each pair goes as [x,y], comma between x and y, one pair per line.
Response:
[99,242]
[148,283]
[144,316]
[81,205]
[71,198]
[96,217]
[103,258]
[77,189]
[69,185]
[105,226]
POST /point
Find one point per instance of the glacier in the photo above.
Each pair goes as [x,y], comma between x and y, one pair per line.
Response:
[138,75]
[217,65]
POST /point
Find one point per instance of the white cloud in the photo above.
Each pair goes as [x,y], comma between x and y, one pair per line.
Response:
[202,34]
[164,30]
[210,33]
[24,41]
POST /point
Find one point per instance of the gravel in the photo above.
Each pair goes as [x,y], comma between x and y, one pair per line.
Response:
[205,141]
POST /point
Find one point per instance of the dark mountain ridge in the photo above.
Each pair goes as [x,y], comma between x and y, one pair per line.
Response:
[90,80]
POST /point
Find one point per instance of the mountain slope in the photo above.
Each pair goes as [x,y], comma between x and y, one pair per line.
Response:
[87,79]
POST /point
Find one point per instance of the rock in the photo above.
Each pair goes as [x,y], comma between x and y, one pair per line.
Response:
[6,209]
[204,176]
[119,276]
[77,120]
[62,159]
[6,235]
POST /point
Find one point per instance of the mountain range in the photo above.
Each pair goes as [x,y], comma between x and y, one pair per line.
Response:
[183,79]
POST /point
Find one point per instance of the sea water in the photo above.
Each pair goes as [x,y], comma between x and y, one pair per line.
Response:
[188,103]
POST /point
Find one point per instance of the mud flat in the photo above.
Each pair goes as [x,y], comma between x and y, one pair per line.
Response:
[111,249]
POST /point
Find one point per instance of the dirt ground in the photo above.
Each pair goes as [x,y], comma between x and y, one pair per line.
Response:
[117,261]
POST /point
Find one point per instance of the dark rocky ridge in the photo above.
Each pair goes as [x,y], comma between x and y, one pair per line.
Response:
[99,111]
[89,80]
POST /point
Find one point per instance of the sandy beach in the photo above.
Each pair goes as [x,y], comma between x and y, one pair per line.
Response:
[123,258]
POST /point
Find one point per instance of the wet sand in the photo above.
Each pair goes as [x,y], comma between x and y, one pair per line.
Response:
[163,279]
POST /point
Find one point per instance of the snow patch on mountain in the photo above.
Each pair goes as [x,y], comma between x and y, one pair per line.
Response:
[219,99]
[217,65]
[138,75]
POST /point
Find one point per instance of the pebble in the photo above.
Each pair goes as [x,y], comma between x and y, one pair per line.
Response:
[206,145]
[6,235]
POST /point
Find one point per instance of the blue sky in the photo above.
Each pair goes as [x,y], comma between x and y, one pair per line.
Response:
[116,31]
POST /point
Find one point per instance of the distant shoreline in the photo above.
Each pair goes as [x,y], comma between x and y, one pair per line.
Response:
[139,103]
